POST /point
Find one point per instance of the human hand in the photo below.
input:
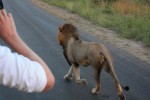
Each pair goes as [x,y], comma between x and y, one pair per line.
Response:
[7,25]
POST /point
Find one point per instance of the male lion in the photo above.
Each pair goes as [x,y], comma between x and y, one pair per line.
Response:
[78,52]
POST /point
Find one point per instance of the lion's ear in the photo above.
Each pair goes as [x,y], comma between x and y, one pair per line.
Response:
[60,29]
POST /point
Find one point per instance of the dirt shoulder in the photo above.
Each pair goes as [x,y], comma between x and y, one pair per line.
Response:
[136,49]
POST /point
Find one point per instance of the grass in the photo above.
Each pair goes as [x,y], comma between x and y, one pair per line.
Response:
[130,18]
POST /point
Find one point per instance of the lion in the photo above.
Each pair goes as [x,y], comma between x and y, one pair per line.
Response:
[82,53]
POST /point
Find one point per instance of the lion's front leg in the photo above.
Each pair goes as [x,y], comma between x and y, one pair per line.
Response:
[68,76]
[76,72]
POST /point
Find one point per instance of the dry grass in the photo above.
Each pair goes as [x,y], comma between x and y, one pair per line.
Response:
[127,7]
[131,18]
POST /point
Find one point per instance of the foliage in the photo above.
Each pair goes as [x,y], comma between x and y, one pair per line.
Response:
[130,18]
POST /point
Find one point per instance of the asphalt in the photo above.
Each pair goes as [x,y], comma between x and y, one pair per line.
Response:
[38,29]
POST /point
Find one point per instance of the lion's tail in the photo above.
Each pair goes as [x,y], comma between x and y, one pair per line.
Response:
[125,88]
[108,57]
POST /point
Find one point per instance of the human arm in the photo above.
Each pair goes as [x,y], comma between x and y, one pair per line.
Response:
[9,34]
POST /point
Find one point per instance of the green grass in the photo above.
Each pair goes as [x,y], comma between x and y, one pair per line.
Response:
[130,18]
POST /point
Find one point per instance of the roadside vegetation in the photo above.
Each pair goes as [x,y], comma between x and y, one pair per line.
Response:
[130,18]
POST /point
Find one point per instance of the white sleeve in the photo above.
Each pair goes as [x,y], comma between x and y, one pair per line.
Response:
[17,71]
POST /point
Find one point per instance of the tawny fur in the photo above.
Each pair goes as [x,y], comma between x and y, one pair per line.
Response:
[83,53]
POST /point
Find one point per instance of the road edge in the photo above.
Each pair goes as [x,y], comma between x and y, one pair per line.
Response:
[136,49]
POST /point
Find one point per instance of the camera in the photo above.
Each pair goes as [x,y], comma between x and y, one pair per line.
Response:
[1,4]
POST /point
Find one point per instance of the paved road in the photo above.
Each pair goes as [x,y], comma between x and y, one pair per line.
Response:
[38,29]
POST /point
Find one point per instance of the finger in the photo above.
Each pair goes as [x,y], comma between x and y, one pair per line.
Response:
[3,12]
[0,12]
[9,15]
[11,18]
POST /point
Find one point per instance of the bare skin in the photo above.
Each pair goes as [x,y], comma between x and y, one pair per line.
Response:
[9,34]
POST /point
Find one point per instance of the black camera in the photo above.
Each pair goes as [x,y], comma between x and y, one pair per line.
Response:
[1,4]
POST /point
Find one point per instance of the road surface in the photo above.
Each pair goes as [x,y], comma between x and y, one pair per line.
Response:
[39,30]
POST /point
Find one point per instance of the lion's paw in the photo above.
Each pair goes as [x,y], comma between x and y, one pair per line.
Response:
[67,77]
[95,91]
[82,82]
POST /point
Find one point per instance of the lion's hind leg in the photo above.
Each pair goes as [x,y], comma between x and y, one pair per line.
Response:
[97,72]
[111,71]
[118,86]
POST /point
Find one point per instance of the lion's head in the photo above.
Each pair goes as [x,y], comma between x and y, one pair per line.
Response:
[65,32]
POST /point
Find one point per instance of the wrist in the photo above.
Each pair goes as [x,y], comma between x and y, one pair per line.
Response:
[10,37]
